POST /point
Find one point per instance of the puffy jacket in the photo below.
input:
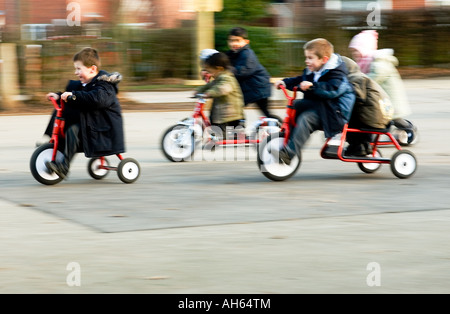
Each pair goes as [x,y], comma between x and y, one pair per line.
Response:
[383,70]
[228,102]
[373,107]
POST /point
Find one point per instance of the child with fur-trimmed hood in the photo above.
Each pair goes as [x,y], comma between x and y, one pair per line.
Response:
[97,130]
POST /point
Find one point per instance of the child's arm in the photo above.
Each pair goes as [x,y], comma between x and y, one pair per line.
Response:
[100,97]
[219,87]
[333,87]
[291,82]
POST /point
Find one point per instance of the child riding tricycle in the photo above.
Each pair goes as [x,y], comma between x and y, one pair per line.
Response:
[226,124]
[95,128]
[403,163]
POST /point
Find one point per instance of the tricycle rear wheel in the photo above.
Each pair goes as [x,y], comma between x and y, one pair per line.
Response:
[128,170]
[94,169]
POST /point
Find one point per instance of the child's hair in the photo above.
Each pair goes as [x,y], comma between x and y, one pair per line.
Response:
[238,31]
[218,60]
[88,56]
[320,47]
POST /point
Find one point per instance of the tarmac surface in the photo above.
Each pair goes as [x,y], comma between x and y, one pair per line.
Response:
[217,225]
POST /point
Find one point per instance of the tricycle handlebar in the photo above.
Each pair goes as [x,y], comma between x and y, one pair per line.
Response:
[61,104]
[285,91]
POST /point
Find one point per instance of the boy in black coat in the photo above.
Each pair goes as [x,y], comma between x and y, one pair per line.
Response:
[250,73]
[98,128]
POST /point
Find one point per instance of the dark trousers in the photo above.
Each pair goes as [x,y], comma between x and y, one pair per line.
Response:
[308,121]
[72,143]
[263,105]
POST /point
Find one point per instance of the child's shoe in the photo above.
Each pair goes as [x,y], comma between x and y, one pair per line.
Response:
[60,168]
[285,155]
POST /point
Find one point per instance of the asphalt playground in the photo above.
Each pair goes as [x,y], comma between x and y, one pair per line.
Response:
[217,225]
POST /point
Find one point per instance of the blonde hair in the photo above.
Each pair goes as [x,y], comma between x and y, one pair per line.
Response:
[88,56]
[320,47]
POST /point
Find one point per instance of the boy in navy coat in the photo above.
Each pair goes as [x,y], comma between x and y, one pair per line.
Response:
[250,73]
[96,125]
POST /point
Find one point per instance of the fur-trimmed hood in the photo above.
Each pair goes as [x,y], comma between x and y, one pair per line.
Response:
[113,78]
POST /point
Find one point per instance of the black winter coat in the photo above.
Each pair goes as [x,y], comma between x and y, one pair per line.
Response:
[100,114]
[251,75]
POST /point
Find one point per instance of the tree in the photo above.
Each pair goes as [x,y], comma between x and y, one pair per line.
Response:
[242,11]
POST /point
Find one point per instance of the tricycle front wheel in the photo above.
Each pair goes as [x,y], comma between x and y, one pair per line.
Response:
[38,167]
[178,143]
[269,163]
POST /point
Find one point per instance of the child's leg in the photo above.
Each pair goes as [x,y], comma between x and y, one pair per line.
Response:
[72,143]
[302,105]
[263,105]
[307,122]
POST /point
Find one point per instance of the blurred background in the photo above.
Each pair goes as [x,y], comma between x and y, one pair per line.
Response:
[155,43]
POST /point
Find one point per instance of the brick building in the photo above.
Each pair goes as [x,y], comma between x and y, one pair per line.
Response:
[143,13]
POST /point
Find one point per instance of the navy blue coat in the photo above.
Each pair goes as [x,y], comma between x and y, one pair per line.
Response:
[251,74]
[100,115]
[333,93]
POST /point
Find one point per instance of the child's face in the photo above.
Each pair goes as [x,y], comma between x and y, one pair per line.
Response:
[237,42]
[85,74]
[214,71]
[313,62]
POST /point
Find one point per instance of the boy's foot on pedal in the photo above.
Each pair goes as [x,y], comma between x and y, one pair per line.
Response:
[57,167]
[284,155]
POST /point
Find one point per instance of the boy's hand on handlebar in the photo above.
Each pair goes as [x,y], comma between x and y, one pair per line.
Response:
[67,95]
[52,95]
[305,85]
[278,84]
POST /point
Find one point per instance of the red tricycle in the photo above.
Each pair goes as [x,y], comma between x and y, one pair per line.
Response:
[403,163]
[128,169]
[179,141]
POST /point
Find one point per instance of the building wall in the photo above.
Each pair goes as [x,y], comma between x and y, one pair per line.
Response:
[408,5]
[168,14]
[157,13]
